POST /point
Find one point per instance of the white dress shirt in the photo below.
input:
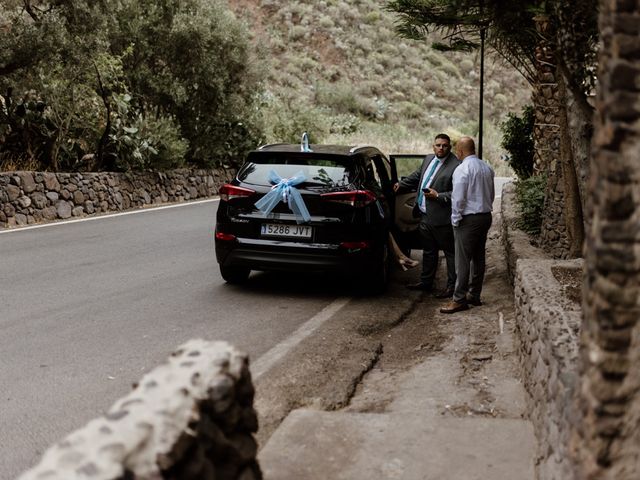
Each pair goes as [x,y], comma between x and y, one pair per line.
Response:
[473,189]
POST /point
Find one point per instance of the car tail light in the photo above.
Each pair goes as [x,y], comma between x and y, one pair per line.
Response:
[355,245]
[354,198]
[225,237]
[228,192]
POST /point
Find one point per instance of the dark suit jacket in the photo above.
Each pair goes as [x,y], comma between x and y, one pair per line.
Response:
[438,209]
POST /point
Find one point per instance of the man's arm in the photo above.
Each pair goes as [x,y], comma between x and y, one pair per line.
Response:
[458,195]
[409,183]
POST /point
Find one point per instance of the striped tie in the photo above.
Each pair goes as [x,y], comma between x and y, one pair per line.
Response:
[434,164]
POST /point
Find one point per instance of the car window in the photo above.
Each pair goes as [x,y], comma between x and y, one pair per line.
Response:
[383,169]
[407,164]
[327,172]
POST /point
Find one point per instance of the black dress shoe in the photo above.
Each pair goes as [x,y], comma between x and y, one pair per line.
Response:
[476,302]
[444,294]
[419,286]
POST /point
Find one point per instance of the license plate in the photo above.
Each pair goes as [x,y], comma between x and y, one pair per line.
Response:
[281,230]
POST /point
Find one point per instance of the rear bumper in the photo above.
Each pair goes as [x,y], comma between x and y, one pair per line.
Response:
[270,255]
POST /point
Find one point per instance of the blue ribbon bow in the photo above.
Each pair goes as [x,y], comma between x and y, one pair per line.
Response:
[284,190]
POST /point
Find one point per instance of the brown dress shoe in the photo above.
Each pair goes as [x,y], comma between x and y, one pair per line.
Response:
[453,307]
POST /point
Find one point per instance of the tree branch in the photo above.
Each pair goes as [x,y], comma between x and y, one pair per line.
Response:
[31,10]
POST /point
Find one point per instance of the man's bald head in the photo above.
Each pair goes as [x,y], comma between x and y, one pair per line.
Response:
[465,146]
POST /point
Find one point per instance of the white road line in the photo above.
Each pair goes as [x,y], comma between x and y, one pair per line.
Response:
[109,215]
[273,356]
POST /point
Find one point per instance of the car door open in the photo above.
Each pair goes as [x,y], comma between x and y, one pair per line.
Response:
[406,225]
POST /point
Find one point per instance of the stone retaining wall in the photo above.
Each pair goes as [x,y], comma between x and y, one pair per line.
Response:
[548,324]
[34,197]
[548,318]
[191,418]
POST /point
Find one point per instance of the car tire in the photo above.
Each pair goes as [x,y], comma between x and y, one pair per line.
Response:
[234,275]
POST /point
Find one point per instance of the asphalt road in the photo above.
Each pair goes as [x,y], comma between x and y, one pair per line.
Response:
[87,308]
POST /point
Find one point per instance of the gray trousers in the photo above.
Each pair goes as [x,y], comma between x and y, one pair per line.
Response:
[435,238]
[470,241]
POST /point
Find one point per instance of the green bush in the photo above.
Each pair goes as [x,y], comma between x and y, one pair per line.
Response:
[285,121]
[148,142]
[186,68]
[530,199]
[517,139]
[345,124]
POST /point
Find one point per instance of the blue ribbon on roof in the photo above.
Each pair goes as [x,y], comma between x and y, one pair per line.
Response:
[284,190]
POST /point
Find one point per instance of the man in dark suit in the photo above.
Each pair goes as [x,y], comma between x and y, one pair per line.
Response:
[433,182]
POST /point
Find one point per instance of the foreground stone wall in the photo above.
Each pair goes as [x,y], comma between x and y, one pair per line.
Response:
[548,324]
[548,317]
[191,418]
[34,197]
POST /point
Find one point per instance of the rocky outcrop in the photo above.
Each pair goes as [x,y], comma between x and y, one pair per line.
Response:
[34,197]
[191,418]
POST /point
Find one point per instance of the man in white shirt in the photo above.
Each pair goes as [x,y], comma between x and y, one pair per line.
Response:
[471,206]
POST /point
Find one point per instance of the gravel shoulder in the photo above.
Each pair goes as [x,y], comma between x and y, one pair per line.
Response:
[363,359]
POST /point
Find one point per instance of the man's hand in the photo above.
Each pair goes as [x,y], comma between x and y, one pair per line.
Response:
[430,193]
[396,186]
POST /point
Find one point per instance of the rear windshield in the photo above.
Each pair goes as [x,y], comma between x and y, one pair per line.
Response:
[325,172]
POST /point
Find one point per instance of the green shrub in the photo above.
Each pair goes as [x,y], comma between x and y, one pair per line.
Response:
[410,109]
[372,17]
[517,139]
[285,121]
[344,124]
[148,143]
[297,33]
[339,96]
[326,22]
[530,199]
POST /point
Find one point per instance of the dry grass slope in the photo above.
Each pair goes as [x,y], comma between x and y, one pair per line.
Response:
[338,69]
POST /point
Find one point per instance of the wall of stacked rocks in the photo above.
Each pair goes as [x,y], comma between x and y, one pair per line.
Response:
[609,433]
[547,295]
[191,418]
[33,197]
[548,324]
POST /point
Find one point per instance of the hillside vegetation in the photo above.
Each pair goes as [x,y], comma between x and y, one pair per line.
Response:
[158,84]
[338,69]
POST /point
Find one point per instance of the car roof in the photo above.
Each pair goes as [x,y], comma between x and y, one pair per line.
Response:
[342,150]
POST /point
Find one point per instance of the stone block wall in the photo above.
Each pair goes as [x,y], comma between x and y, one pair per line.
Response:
[548,324]
[33,197]
[548,316]
[191,418]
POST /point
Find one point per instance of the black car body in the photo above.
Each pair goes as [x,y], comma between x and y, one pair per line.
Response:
[348,192]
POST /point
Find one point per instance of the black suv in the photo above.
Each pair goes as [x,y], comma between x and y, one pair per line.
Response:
[315,208]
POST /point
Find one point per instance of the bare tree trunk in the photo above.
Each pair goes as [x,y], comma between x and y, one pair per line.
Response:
[573,196]
[107,128]
[548,132]
[608,437]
